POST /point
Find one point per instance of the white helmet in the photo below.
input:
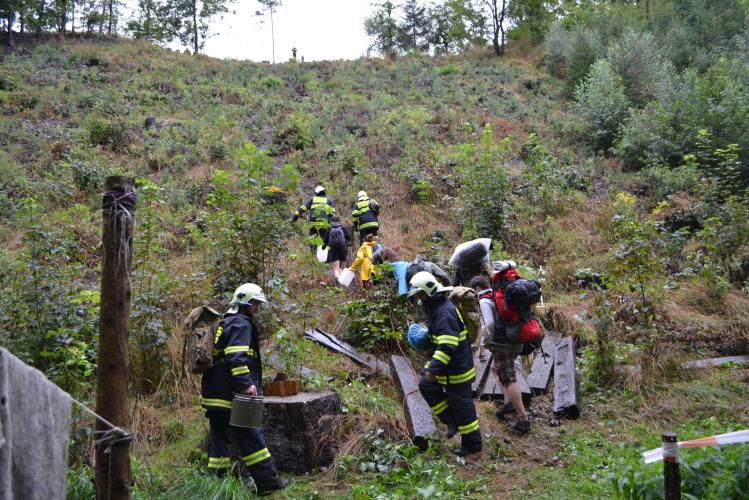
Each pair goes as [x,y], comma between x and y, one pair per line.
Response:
[428,283]
[247,293]
[319,190]
[361,196]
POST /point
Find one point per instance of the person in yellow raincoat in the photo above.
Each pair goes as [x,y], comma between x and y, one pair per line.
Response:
[363,261]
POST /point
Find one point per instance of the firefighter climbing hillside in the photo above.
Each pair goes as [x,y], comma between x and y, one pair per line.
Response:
[446,380]
[365,212]
[321,209]
[237,369]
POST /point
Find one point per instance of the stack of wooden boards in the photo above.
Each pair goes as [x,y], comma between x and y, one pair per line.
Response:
[556,358]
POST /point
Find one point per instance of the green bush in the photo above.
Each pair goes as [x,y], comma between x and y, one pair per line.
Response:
[602,104]
[447,69]
[271,82]
[638,60]
[376,321]
[112,135]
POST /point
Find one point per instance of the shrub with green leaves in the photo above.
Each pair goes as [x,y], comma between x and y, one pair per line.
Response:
[602,103]
[482,203]
[376,321]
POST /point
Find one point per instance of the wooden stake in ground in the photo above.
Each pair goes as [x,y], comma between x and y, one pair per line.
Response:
[112,468]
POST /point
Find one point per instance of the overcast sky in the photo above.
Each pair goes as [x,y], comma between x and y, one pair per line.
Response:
[320,29]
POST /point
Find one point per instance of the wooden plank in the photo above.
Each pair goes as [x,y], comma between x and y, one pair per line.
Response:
[419,418]
[566,398]
[483,371]
[543,364]
[711,363]
[338,345]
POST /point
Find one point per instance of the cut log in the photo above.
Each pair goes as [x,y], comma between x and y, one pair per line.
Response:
[336,345]
[295,430]
[419,418]
[566,399]
[543,364]
[483,370]
[710,363]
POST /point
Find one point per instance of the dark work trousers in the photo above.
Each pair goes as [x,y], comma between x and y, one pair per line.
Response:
[251,444]
[367,230]
[453,405]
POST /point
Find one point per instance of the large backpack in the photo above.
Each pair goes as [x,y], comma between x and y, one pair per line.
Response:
[336,237]
[467,302]
[201,326]
[514,299]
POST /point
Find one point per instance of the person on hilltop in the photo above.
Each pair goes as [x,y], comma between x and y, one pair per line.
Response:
[446,379]
[321,209]
[364,261]
[237,369]
[505,352]
[337,243]
[365,212]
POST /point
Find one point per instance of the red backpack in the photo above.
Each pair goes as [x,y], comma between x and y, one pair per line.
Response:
[521,323]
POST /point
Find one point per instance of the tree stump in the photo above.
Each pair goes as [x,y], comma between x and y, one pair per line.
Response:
[295,430]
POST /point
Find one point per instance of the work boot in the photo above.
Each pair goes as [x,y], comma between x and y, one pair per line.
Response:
[521,427]
[273,485]
[506,409]
[463,451]
[452,430]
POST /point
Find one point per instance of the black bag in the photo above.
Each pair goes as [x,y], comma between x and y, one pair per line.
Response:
[336,237]
[523,294]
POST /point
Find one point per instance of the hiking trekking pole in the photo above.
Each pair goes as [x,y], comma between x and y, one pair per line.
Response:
[671,475]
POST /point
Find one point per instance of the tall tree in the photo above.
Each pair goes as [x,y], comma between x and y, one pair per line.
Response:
[415,26]
[498,14]
[270,8]
[383,28]
[189,20]
[532,18]
[456,25]
[8,11]
[151,21]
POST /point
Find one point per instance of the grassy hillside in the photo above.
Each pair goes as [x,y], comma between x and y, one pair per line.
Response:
[452,148]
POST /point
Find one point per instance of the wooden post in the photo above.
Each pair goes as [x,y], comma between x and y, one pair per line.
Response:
[671,476]
[112,467]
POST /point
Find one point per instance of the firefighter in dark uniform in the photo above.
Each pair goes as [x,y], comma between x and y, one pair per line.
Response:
[446,379]
[321,209]
[237,370]
[365,213]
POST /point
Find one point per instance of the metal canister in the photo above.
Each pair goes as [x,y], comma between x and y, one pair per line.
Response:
[247,411]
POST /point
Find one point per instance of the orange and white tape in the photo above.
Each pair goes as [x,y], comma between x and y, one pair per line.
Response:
[655,455]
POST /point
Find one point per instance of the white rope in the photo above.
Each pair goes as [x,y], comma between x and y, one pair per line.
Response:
[120,433]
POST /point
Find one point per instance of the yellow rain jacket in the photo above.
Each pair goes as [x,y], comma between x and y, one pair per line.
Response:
[364,260]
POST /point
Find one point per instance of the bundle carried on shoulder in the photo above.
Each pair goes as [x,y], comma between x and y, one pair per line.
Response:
[201,326]
[467,302]
[470,253]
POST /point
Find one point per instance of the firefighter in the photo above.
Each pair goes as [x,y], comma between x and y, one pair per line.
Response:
[446,379]
[365,212]
[321,209]
[237,370]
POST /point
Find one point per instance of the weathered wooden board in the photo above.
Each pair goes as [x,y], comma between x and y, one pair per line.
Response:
[419,418]
[710,363]
[566,397]
[543,364]
[483,371]
[334,344]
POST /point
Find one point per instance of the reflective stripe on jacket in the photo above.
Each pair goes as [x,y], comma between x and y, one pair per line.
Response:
[321,210]
[236,362]
[365,214]
[452,361]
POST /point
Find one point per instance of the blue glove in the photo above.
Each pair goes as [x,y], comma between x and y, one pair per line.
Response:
[418,337]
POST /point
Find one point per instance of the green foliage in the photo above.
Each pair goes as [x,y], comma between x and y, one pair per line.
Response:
[296,133]
[399,471]
[636,266]
[375,321]
[638,60]
[362,398]
[602,103]
[111,135]
[482,207]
